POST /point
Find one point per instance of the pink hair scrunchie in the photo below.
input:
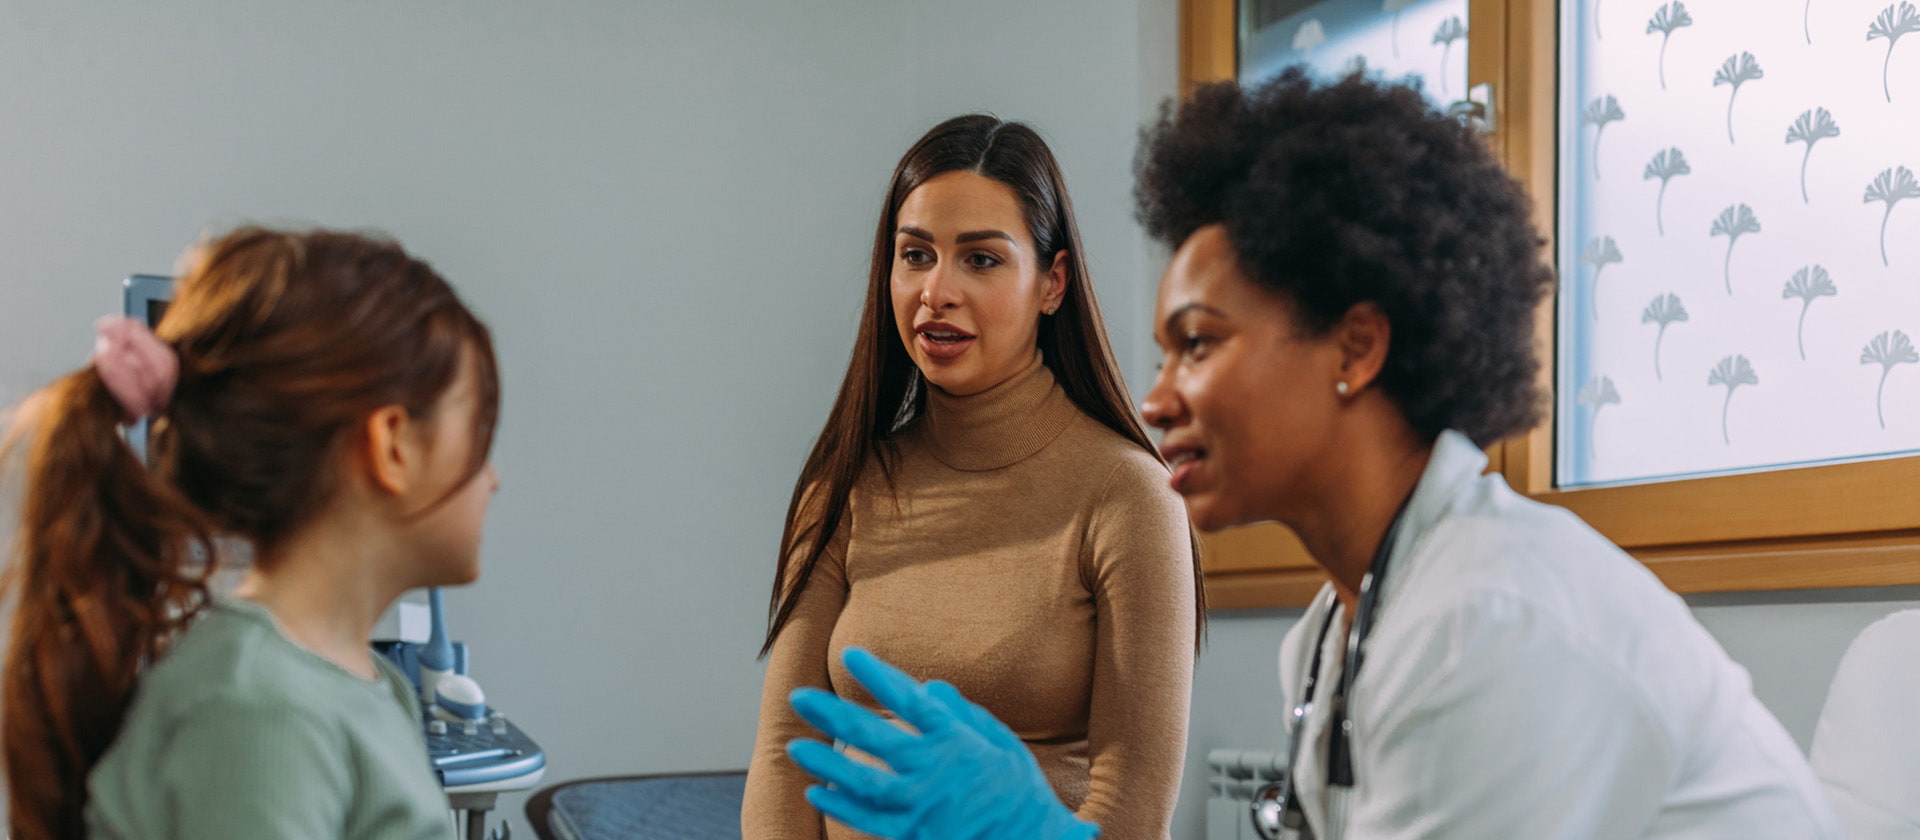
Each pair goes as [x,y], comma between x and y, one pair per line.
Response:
[138,368]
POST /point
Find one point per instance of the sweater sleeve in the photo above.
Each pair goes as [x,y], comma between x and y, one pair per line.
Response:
[1140,568]
[254,770]
[775,807]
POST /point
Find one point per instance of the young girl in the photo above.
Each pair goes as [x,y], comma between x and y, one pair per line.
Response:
[324,400]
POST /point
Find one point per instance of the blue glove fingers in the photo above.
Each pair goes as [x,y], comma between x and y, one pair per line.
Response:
[870,784]
[897,691]
[849,722]
[1040,812]
[974,717]
[857,815]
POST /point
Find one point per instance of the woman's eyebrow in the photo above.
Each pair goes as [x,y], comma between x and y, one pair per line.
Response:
[1167,322]
[969,236]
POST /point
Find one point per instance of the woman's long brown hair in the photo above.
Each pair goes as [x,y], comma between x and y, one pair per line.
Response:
[286,341]
[879,387]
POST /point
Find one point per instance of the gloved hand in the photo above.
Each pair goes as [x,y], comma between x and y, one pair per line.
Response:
[964,776]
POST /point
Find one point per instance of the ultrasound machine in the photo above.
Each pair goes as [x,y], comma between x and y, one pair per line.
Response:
[474,750]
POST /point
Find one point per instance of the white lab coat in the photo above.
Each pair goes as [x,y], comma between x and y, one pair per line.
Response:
[1527,680]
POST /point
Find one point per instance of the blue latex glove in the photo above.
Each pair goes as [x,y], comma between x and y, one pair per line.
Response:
[964,776]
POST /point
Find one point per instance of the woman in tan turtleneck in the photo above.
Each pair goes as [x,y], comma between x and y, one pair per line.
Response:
[983,507]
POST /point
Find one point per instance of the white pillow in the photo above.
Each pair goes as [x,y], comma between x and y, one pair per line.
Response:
[1866,748]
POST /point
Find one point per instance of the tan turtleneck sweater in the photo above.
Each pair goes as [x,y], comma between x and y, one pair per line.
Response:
[1037,561]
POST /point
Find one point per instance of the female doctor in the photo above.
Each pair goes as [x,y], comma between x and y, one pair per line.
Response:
[1346,322]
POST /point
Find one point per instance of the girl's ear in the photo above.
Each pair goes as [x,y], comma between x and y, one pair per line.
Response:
[384,449]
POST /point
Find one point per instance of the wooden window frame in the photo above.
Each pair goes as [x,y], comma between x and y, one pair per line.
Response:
[1825,527]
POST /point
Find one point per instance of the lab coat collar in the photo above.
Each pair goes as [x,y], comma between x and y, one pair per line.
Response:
[1452,468]
[1454,463]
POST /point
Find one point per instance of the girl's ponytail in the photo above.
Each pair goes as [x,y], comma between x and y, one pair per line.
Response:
[105,576]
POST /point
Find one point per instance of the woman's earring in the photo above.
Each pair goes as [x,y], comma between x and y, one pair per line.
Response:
[1340,387]
[1052,308]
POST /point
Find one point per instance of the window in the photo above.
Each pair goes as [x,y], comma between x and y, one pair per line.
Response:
[1423,39]
[1804,489]
[1726,303]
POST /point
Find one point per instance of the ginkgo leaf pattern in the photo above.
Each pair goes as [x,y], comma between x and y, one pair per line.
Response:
[1807,284]
[1738,79]
[1733,372]
[1452,29]
[1600,253]
[1310,34]
[1737,70]
[1600,111]
[1891,24]
[1664,310]
[1667,19]
[1733,223]
[1886,350]
[1396,7]
[1598,393]
[1891,187]
[1666,164]
[1811,127]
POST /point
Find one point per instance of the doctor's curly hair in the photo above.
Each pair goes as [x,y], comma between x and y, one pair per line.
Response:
[1355,191]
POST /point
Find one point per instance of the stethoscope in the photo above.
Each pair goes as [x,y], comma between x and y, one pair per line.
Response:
[1276,807]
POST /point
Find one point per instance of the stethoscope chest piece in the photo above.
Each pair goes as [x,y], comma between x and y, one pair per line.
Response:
[1271,816]
[1275,809]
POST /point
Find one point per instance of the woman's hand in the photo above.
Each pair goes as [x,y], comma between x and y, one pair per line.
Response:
[963,776]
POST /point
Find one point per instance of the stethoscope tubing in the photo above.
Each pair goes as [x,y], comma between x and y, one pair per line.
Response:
[1276,807]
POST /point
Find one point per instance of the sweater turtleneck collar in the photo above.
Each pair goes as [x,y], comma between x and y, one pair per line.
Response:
[998,427]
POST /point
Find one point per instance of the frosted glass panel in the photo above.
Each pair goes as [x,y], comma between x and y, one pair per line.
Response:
[1425,39]
[1739,243]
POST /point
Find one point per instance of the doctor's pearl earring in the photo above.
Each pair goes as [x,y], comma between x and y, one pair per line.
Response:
[1340,388]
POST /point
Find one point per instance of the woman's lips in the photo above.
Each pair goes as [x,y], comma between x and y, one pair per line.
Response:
[1184,466]
[942,344]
